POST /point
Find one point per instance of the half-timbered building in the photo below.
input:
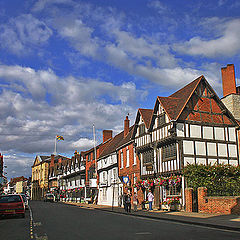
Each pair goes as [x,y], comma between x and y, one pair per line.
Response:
[191,126]
[72,179]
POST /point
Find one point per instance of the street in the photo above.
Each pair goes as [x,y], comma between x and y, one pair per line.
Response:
[58,221]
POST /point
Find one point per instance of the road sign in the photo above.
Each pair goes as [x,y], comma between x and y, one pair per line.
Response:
[125,179]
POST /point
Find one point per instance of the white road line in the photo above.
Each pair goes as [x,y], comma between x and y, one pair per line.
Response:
[143,233]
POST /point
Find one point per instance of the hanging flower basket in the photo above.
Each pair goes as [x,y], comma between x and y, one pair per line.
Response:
[160,181]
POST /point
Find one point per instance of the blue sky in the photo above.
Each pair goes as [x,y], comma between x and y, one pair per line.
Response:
[66,64]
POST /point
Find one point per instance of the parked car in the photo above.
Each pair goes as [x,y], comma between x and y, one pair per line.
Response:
[12,204]
[49,197]
[25,200]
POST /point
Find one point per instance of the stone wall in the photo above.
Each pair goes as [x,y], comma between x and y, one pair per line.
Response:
[232,102]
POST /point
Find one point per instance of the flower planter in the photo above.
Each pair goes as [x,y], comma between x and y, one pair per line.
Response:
[175,207]
[165,207]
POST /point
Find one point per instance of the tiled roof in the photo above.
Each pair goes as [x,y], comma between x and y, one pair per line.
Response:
[127,138]
[175,103]
[112,145]
[146,115]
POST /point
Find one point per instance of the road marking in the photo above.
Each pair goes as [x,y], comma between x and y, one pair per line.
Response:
[31,223]
[45,237]
[143,233]
[36,224]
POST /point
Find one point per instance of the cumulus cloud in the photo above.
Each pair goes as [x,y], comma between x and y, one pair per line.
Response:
[41,4]
[17,164]
[22,33]
[158,5]
[227,44]
[67,106]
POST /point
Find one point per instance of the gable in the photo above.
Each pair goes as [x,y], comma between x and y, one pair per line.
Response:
[161,117]
[36,161]
[205,106]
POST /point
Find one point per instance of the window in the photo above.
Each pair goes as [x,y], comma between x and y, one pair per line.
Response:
[134,158]
[142,129]
[173,191]
[104,177]
[148,156]
[169,152]
[121,155]
[114,173]
[161,120]
[127,164]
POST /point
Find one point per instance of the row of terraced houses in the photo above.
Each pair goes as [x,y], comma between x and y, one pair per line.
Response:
[191,126]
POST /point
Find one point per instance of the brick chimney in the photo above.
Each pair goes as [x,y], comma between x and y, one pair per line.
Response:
[107,134]
[126,126]
[52,160]
[228,80]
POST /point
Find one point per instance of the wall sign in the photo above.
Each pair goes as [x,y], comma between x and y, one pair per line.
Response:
[125,179]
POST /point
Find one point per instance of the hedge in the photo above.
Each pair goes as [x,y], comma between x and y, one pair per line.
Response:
[220,180]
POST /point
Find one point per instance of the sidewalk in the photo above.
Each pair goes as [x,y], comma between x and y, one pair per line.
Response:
[227,222]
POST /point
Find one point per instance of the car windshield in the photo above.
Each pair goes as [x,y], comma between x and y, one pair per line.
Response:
[10,199]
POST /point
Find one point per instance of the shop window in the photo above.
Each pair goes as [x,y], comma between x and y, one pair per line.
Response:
[173,191]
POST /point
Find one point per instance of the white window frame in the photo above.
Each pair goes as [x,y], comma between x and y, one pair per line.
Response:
[134,157]
[121,156]
[127,158]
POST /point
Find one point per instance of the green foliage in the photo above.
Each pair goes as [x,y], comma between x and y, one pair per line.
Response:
[220,180]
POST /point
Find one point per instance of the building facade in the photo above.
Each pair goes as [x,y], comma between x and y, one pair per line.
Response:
[40,171]
[191,126]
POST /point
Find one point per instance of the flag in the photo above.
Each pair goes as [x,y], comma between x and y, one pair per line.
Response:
[59,138]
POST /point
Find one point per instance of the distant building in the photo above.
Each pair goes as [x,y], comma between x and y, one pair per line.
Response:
[40,170]
[18,185]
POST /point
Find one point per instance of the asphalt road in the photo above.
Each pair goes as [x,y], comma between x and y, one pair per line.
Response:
[15,228]
[57,221]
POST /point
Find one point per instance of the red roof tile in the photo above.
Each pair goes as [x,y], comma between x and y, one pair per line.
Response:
[146,116]
[175,103]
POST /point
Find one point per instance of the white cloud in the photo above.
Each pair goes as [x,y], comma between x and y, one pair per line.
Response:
[72,106]
[41,4]
[83,143]
[17,164]
[23,33]
[225,45]
[158,5]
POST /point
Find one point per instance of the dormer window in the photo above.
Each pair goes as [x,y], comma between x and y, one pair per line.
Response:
[161,119]
[142,129]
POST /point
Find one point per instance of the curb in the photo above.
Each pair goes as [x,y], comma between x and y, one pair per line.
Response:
[174,220]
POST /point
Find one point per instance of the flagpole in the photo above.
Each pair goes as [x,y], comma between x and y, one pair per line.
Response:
[95,155]
[95,152]
[55,148]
